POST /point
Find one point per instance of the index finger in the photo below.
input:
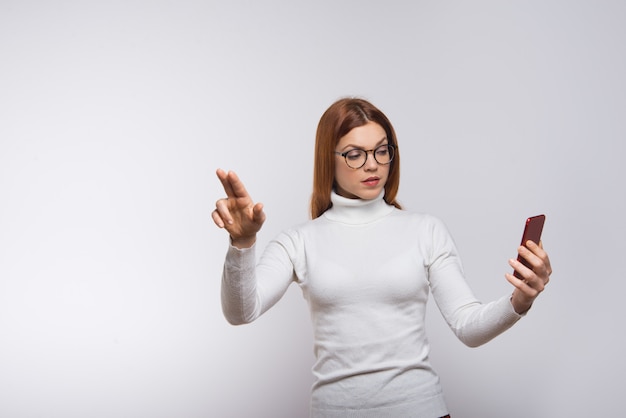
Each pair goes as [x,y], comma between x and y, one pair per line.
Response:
[233,186]
[536,249]
[539,252]
[223,176]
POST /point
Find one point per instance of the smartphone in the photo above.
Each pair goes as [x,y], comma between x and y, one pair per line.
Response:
[532,232]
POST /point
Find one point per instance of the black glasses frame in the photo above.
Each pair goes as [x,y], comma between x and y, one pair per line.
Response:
[391,147]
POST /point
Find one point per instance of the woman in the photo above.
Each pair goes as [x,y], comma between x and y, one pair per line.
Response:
[366,268]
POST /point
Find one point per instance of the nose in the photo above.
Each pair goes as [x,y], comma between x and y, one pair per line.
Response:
[370,162]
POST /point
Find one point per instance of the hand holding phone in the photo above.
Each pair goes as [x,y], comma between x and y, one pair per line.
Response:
[532,232]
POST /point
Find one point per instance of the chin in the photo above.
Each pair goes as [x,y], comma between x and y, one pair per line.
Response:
[359,193]
[370,194]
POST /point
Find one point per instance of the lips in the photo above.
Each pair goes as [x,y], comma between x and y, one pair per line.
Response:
[371,181]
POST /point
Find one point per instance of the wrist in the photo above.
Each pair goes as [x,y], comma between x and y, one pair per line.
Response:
[520,305]
[243,242]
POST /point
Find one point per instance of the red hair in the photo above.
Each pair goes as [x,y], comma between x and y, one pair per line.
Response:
[339,119]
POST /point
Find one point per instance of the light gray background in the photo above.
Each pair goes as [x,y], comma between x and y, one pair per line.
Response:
[115,115]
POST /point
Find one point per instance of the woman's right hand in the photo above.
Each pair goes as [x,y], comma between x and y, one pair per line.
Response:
[237,213]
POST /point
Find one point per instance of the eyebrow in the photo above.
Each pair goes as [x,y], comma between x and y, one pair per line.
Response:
[351,146]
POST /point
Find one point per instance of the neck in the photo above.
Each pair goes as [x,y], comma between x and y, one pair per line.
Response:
[357,211]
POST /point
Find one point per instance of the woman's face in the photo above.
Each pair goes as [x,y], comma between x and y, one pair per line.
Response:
[369,180]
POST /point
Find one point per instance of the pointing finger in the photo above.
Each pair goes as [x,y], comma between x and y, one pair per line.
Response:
[236,185]
[224,179]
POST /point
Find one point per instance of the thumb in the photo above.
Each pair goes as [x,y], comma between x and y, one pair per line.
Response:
[257,213]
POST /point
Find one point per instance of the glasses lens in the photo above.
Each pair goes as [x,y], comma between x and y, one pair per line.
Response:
[356,158]
[383,154]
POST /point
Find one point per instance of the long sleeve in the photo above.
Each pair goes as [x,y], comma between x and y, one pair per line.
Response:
[250,289]
[473,322]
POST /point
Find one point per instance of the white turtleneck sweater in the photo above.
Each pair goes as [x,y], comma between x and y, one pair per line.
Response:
[365,269]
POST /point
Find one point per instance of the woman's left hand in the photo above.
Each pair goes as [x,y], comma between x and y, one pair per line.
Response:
[533,280]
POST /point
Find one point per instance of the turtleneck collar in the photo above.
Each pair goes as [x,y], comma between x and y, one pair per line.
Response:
[357,211]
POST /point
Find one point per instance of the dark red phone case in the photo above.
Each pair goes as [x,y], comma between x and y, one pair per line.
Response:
[532,232]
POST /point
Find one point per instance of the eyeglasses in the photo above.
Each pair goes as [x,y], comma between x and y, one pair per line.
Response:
[356,158]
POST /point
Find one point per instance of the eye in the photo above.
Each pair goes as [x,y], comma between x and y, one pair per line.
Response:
[382,151]
[354,154]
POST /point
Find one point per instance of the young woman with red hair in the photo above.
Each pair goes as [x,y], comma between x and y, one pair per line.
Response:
[366,268]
